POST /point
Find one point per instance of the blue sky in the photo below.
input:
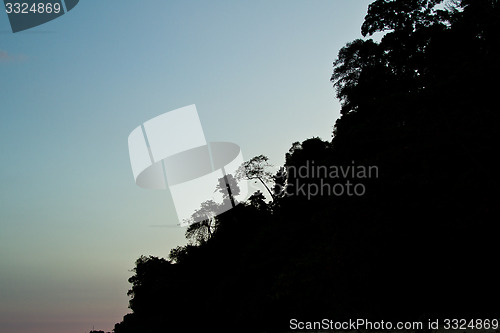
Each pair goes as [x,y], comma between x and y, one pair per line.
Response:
[72,220]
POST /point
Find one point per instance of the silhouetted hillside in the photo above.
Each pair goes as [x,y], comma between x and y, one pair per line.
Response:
[395,218]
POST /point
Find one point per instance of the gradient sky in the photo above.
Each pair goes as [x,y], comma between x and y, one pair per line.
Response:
[72,220]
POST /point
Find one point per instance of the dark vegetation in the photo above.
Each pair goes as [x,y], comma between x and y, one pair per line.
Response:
[422,106]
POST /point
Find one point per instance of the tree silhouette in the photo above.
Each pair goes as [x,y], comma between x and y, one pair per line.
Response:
[203,222]
[228,186]
[200,231]
[257,168]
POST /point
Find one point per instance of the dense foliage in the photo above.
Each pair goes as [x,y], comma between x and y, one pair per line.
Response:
[421,242]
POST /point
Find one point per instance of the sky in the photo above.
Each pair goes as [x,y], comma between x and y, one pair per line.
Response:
[72,219]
